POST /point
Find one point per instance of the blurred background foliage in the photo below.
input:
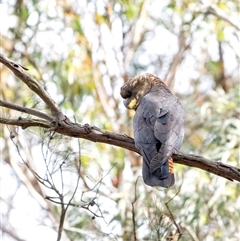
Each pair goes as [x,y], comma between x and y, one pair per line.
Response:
[82,52]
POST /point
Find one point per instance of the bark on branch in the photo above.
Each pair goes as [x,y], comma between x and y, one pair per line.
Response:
[62,125]
[33,84]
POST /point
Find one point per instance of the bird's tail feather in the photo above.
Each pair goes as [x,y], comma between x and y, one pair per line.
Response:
[164,177]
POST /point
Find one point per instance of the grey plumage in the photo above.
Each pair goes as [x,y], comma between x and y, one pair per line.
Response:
[158,126]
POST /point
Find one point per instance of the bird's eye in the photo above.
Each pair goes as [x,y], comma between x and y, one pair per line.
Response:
[126,93]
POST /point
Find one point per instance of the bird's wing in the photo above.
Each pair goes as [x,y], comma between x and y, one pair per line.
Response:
[158,132]
[169,130]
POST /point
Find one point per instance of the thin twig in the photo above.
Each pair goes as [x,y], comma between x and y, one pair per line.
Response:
[214,10]
[179,230]
[11,233]
[133,211]
[62,217]
[26,110]
[92,202]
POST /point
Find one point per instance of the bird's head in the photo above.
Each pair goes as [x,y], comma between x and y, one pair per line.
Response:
[134,89]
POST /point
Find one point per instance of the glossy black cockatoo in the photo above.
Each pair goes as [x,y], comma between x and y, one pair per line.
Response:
[158,126]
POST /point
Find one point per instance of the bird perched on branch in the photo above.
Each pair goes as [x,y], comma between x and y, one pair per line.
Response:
[158,126]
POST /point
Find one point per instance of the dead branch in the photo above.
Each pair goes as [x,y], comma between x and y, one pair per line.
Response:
[63,125]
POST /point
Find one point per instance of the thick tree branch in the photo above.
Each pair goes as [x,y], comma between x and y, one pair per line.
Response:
[33,84]
[94,134]
[63,125]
